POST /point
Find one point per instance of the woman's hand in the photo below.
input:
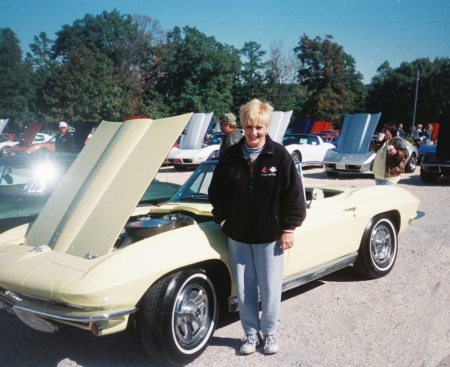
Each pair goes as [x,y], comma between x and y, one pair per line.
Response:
[286,240]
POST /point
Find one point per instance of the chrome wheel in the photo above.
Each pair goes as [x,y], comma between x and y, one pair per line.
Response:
[381,246]
[192,315]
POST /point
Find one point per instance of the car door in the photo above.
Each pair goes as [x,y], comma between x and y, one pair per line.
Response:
[331,230]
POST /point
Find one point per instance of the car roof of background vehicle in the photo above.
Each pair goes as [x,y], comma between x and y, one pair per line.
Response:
[3,123]
[31,129]
[115,163]
[356,133]
[195,131]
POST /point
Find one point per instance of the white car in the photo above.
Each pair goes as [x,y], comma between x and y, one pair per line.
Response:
[307,149]
[191,153]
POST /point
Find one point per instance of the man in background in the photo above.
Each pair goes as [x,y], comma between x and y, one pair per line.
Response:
[64,140]
[228,126]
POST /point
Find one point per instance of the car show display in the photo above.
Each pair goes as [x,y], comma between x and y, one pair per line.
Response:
[88,263]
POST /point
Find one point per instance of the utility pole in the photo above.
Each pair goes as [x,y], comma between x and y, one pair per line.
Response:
[415,103]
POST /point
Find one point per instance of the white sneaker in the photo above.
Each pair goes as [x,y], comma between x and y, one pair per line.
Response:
[271,344]
[251,342]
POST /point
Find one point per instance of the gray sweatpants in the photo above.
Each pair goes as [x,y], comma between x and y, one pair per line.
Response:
[258,266]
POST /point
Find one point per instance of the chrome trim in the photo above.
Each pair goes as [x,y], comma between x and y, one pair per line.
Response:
[89,317]
[308,276]
[319,272]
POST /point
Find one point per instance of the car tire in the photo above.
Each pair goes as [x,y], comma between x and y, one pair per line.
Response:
[428,177]
[296,157]
[332,174]
[5,151]
[179,168]
[179,316]
[378,250]
[411,164]
[42,151]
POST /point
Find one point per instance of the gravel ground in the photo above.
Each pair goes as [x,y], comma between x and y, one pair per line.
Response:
[339,320]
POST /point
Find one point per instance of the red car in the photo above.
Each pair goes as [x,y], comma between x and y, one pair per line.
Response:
[32,142]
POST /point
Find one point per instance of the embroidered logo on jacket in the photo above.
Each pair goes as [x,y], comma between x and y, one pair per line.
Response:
[268,171]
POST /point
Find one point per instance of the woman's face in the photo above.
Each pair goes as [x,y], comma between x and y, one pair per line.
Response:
[387,134]
[255,136]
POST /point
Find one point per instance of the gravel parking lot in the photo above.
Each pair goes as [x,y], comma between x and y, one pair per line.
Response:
[339,320]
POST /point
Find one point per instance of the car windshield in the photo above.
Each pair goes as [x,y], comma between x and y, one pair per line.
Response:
[196,187]
[44,176]
[299,139]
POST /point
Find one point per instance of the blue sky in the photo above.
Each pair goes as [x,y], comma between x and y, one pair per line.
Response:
[372,31]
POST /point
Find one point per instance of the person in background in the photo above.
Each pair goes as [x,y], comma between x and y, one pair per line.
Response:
[258,198]
[228,126]
[64,142]
[417,135]
[400,131]
[391,155]
[428,134]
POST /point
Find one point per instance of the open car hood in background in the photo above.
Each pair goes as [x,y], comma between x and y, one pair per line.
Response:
[29,134]
[278,125]
[3,123]
[94,200]
[195,131]
[356,133]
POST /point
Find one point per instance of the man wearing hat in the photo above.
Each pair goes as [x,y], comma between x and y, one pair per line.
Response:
[64,140]
[228,126]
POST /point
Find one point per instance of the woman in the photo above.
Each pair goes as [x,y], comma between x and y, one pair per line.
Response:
[258,198]
[390,158]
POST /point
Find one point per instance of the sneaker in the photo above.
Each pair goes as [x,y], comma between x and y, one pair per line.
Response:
[271,345]
[251,342]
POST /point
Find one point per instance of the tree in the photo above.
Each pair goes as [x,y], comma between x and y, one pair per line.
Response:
[392,91]
[43,64]
[250,82]
[198,73]
[283,90]
[329,75]
[15,82]
[84,88]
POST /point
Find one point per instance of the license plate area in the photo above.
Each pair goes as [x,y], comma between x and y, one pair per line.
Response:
[340,166]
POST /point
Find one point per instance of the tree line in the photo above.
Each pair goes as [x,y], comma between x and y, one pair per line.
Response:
[107,66]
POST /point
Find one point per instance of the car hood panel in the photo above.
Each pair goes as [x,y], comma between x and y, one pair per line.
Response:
[104,185]
[356,133]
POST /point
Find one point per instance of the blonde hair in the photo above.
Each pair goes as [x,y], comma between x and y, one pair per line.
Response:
[256,113]
[419,126]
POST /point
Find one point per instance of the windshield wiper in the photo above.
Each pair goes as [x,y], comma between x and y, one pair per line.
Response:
[194,196]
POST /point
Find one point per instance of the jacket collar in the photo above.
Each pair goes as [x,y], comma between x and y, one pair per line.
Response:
[269,146]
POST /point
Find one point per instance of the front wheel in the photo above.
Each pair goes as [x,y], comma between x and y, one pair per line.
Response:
[5,151]
[296,157]
[179,316]
[179,168]
[378,248]
[410,166]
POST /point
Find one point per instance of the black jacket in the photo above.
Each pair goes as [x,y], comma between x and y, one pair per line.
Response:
[257,209]
[64,143]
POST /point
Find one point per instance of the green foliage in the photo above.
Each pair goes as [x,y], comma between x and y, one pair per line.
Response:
[198,73]
[329,76]
[15,83]
[393,91]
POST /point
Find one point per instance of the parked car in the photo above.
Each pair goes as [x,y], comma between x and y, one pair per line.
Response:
[30,137]
[353,154]
[329,137]
[32,142]
[436,161]
[6,137]
[308,149]
[424,149]
[27,181]
[84,263]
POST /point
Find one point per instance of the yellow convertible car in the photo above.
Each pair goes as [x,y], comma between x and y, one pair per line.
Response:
[84,263]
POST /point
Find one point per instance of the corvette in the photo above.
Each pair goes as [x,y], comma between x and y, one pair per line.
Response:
[84,263]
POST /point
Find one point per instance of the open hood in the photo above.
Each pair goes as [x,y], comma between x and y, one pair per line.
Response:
[94,200]
[29,134]
[3,123]
[357,132]
[195,131]
[278,125]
